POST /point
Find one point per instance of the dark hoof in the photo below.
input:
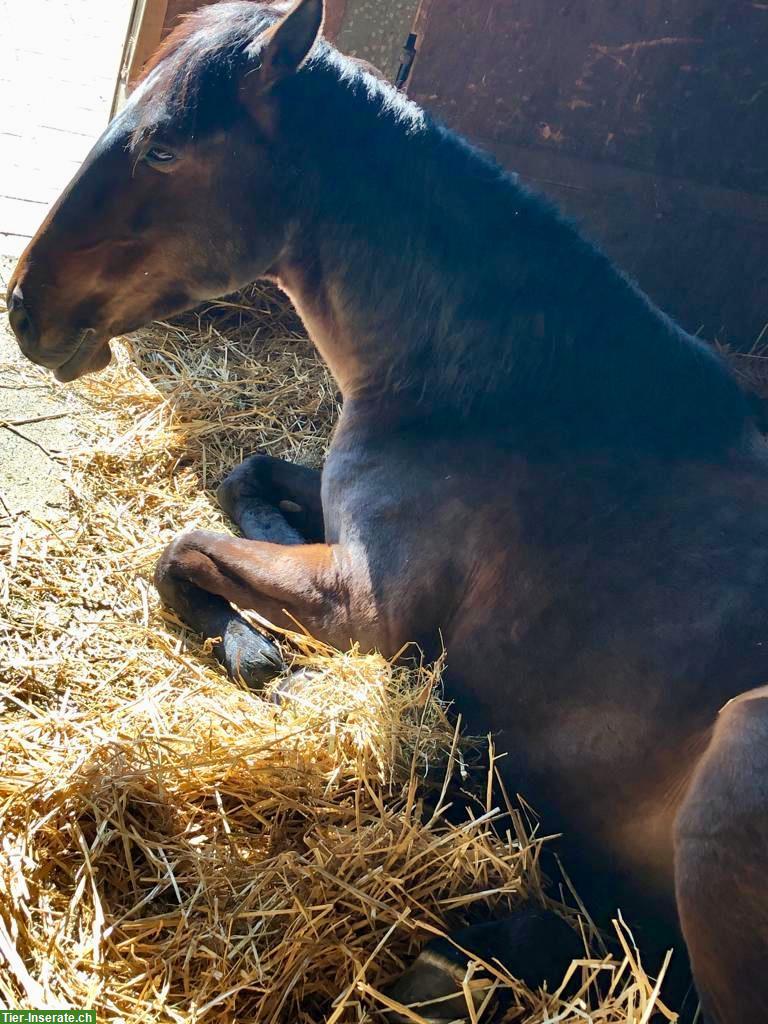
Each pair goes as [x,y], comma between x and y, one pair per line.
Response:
[248,655]
[432,988]
[247,496]
[290,688]
[246,483]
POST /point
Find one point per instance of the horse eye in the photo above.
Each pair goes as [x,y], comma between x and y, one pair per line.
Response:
[157,155]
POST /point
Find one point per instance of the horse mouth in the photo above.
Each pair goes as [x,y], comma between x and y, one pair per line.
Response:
[91,355]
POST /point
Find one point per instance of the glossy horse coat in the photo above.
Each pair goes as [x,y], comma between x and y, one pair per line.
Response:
[534,465]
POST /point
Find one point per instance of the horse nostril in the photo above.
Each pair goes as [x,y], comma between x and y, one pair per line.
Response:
[20,320]
[16,301]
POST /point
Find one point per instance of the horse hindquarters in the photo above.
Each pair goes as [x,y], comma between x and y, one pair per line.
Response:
[721,866]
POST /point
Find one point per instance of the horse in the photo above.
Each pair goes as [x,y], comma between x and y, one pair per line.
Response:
[535,468]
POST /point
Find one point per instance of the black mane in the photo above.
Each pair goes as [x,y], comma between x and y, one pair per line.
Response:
[192,79]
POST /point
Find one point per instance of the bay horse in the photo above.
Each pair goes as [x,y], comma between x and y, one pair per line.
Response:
[534,466]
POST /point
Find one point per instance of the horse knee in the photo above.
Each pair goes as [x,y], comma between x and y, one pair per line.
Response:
[178,563]
[187,576]
[251,479]
[721,860]
[245,653]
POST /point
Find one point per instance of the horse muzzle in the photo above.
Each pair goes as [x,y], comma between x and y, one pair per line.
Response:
[86,353]
[90,355]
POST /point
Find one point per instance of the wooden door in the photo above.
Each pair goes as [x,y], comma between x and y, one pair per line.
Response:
[646,121]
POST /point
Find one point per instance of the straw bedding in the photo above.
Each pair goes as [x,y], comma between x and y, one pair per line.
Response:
[172,847]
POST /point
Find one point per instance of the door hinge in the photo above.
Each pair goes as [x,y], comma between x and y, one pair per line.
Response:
[406,62]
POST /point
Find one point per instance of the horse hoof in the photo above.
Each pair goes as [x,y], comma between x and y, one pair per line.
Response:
[245,483]
[290,688]
[248,655]
[432,987]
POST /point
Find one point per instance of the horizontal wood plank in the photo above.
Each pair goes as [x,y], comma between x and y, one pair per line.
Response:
[59,62]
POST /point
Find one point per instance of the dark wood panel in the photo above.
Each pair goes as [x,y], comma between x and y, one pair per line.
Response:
[645,121]
[675,84]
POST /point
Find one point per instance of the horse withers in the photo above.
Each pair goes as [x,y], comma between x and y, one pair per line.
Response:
[534,465]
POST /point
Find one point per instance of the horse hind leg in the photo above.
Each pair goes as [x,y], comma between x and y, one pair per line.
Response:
[534,945]
[721,865]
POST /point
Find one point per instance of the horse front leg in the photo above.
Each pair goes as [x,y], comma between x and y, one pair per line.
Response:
[270,500]
[318,586]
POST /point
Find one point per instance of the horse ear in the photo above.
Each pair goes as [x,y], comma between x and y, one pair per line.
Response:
[288,43]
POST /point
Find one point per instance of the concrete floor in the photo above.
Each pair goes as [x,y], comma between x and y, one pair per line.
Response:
[31,482]
[59,62]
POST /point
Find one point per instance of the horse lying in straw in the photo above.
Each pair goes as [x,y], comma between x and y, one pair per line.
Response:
[534,465]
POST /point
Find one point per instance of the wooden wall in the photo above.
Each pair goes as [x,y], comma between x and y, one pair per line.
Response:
[646,121]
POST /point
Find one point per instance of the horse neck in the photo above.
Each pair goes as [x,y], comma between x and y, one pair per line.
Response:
[383,268]
[431,283]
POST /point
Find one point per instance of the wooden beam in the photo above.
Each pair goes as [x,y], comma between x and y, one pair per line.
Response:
[144,35]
